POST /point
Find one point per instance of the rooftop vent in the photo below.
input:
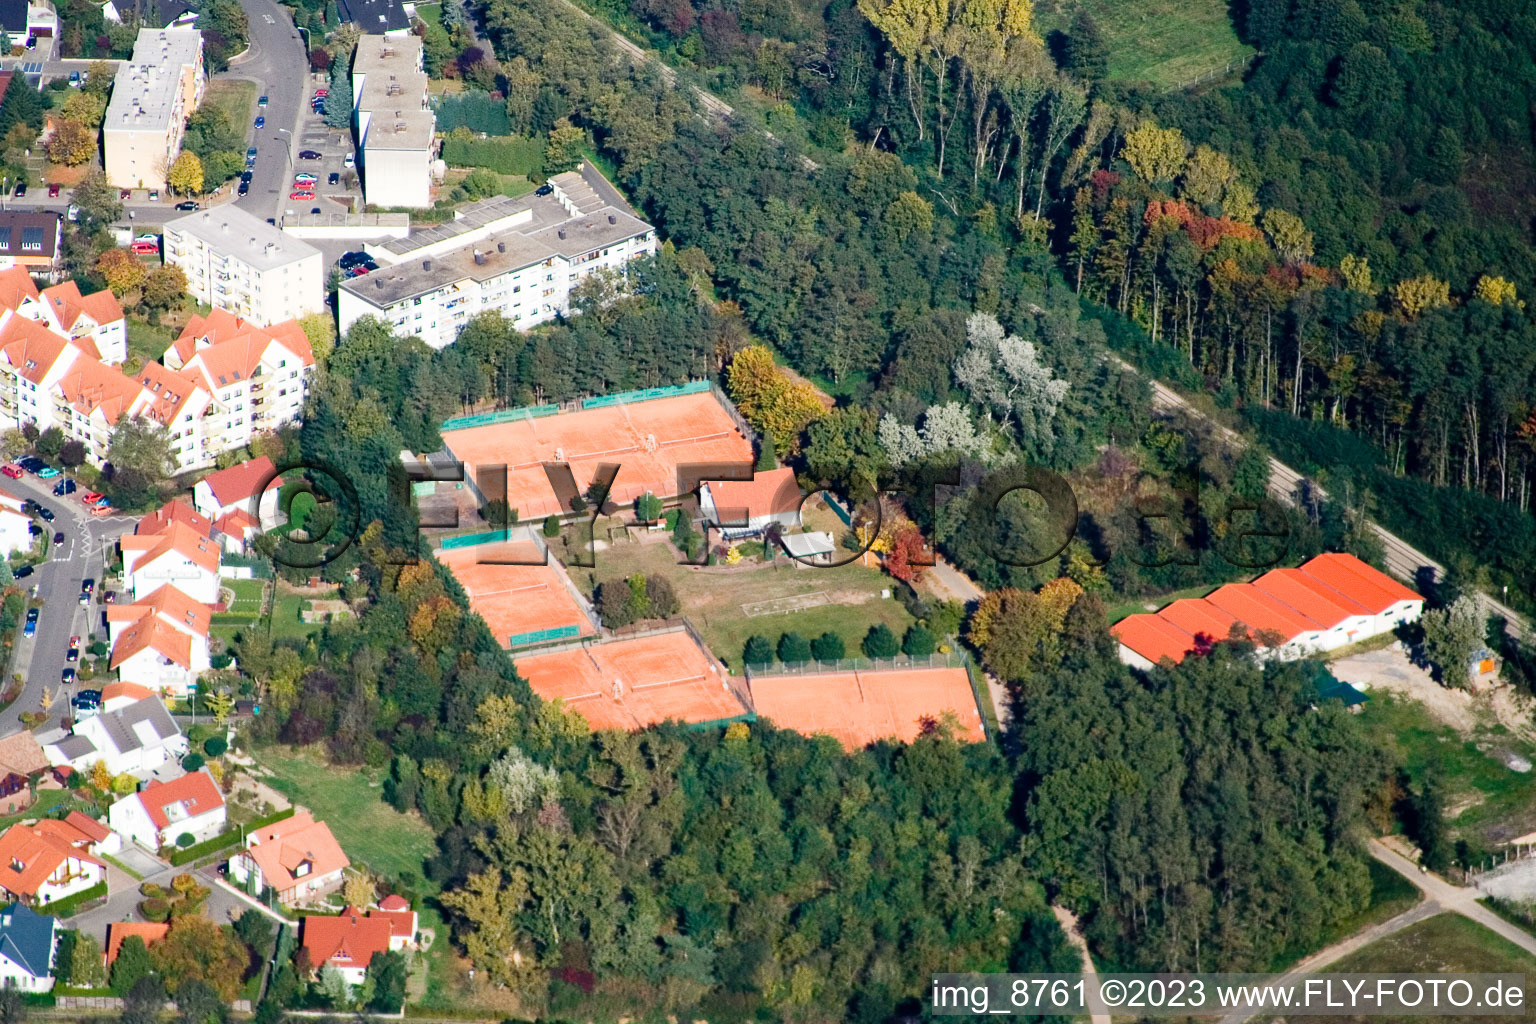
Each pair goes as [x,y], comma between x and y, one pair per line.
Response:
[612,219]
[562,232]
[479,259]
[426,264]
[501,246]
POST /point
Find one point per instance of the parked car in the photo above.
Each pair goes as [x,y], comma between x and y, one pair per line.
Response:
[30,629]
[58,538]
[86,701]
[21,190]
[102,510]
[351,259]
[91,497]
[261,122]
[308,154]
[65,486]
[189,206]
[244,188]
[23,572]
[357,271]
[103,503]
[67,677]
[250,156]
[348,161]
[53,191]
[108,596]
[333,179]
[74,79]
[146,248]
[125,194]
[301,195]
[306,176]
[47,515]
[154,195]
[262,102]
[13,471]
[544,189]
[47,473]
[30,463]
[322,92]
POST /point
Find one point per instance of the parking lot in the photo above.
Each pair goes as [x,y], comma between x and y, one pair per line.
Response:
[314,136]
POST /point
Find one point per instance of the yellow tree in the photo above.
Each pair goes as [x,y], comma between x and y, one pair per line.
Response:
[71,143]
[87,108]
[1155,154]
[1208,175]
[1290,237]
[186,175]
[101,777]
[1240,202]
[1496,291]
[1417,295]
[220,704]
[1356,271]
[358,890]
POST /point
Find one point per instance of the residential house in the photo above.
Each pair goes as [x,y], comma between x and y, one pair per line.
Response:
[15,525]
[250,488]
[348,943]
[160,656]
[297,857]
[118,932]
[168,605]
[26,22]
[160,813]
[389,18]
[21,762]
[28,947]
[178,555]
[745,508]
[38,867]
[96,319]
[32,241]
[83,833]
[136,736]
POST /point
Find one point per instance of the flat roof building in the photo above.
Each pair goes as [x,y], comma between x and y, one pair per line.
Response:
[153,94]
[396,128]
[237,262]
[521,258]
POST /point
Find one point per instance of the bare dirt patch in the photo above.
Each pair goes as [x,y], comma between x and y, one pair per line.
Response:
[1462,710]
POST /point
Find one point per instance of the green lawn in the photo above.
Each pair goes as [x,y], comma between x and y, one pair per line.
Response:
[1488,803]
[1166,42]
[348,800]
[1135,606]
[1444,944]
[285,618]
[237,99]
[147,341]
[713,601]
[248,596]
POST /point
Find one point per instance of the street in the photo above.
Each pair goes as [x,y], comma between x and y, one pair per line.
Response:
[123,899]
[40,659]
[276,59]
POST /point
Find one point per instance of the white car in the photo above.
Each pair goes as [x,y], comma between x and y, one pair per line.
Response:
[347,161]
[305,177]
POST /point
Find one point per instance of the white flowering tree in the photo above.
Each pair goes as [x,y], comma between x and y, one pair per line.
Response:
[1004,373]
[946,428]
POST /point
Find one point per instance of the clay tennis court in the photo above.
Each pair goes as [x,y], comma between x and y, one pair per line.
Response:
[664,676]
[647,440]
[515,599]
[859,708]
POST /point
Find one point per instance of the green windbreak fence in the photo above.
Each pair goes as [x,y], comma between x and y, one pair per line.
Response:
[470,540]
[540,635]
[485,419]
[646,394]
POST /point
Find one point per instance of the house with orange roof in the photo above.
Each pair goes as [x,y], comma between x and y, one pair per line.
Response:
[21,761]
[348,942]
[250,487]
[167,604]
[159,656]
[15,525]
[83,833]
[174,511]
[19,294]
[38,867]
[97,317]
[162,812]
[118,932]
[297,858]
[745,508]
[178,555]
[1326,603]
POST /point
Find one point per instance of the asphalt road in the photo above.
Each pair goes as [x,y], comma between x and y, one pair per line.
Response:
[277,60]
[123,894]
[40,659]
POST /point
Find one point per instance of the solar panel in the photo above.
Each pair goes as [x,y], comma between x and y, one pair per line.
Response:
[31,238]
[5,237]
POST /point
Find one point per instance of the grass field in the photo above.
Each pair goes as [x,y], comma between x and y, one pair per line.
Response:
[714,601]
[285,617]
[1487,802]
[348,800]
[1445,944]
[248,596]
[148,341]
[236,98]
[1166,42]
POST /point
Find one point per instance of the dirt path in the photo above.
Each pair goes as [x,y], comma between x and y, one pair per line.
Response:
[948,583]
[1068,922]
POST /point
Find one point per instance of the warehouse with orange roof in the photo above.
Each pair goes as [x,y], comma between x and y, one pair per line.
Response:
[1328,602]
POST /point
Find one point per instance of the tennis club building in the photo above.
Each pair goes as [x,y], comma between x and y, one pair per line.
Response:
[1328,602]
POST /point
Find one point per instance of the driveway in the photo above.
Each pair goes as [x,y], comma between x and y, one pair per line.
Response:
[122,904]
[40,660]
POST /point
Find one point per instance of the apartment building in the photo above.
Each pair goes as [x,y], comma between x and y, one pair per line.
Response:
[238,262]
[395,124]
[224,380]
[33,241]
[521,258]
[153,94]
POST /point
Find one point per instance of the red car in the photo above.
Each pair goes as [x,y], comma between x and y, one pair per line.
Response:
[103,510]
[322,92]
[12,471]
[91,497]
[301,195]
[53,191]
[125,193]
[145,248]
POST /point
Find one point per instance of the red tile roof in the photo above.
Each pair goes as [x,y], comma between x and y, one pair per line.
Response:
[1364,583]
[184,540]
[1153,638]
[119,932]
[350,940]
[279,849]
[152,633]
[174,511]
[243,481]
[1262,613]
[193,794]
[772,493]
[29,856]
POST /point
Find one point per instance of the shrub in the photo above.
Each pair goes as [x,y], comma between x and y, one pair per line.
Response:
[185,840]
[880,642]
[662,598]
[157,910]
[552,526]
[216,746]
[613,603]
[647,508]
[918,642]
[794,649]
[758,651]
[192,762]
[828,647]
[509,155]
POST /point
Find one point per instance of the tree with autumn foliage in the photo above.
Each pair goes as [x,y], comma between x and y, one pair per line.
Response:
[71,143]
[197,949]
[777,407]
[907,554]
[1016,629]
[122,271]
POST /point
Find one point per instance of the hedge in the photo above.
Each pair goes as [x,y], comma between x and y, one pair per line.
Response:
[69,904]
[224,840]
[511,154]
[476,111]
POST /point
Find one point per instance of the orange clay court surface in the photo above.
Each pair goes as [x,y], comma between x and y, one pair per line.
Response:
[859,708]
[514,599]
[685,428]
[664,676]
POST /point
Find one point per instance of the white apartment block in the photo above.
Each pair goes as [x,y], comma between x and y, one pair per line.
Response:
[238,262]
[395,123]
[521,258]
[153,94]
[223,381]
